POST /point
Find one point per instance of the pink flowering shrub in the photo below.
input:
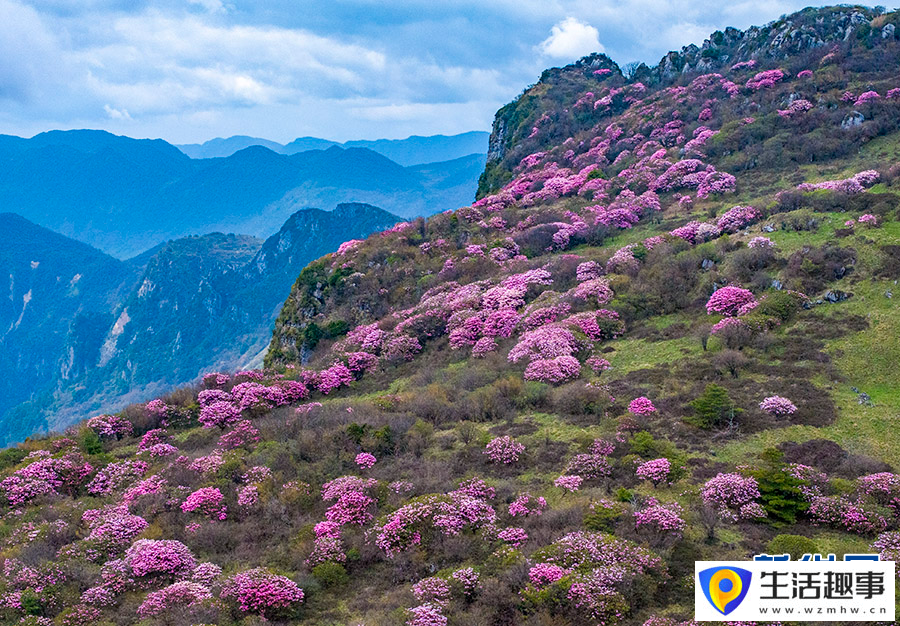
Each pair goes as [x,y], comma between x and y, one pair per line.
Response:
[845,514]
[764,79]
[334,377]
[760,242]
[365,460]
[553,371]
[868,219]
[526,504]
[778,406]
[888,547]
[207,501]
[110,426]
[513,536]
[505,450]
[600,566]
[661,519]
[596,289]
[641,406]
[733,496]
[219,414]
[569,482]
[597,325]
[248,497]
[737,218]
[543,574]
[656,471]
[152,438]
[429,614]
[261,592]
[546,342]
[728,301]
[164,559]
[468,579]
[433,589]
[449,514]
[181,595]
[116,476]
[866,97]
[243,433]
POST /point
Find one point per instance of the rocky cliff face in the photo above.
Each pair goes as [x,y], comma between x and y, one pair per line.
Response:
[793,41]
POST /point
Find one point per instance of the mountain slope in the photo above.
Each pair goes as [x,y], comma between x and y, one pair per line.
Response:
[87,331]
[124,195]
[60,297]
[665,333]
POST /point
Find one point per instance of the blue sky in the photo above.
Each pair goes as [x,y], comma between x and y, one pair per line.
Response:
[190,70]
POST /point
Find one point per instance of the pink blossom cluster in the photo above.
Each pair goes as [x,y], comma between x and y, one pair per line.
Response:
[641,406]
[590,466]
[218,414]
[853,185]
[435,590]
[153,437]
[526,504]
[468,579]
[261,592]
[888,546]
[116,476]
[516,537]
[164,558]
[553,371]
[543,574]
[449,514]
[428,614]
[505,450]
[111,426]
[243,433]
[208,501]
[728,300]
[662,519]
[737,218]
[569,482]
[656,471]
[845,514]
[778,406]
[181,595]
[734,496]
[365,460]
[764,79]
[760,242]
[796,107]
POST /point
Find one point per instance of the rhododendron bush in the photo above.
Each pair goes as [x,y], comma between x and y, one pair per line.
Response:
[262,592]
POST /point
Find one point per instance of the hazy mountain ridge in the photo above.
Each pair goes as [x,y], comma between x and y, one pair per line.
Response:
[413,150]
[108,332]
[124,195]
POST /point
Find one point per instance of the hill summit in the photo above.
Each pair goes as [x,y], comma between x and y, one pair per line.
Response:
[664,333]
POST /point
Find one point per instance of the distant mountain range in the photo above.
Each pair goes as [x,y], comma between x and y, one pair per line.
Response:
[80,329]
[125,195]
[413,150]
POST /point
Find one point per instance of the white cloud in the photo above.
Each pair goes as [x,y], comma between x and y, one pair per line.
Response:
[571,39]
[116,114]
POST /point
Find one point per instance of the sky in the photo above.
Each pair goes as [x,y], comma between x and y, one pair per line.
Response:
[190,70]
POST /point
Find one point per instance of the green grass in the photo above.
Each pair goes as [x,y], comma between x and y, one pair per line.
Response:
[636,354]
[868,360]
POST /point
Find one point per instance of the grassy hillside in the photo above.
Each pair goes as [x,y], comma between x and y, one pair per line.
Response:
[666,332]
